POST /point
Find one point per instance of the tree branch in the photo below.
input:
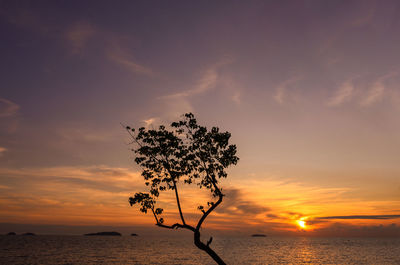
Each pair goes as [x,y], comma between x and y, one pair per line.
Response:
[209,241]
[155,216]
[178,202]
[208,212]
[176,226]
[220,195]
[211,179]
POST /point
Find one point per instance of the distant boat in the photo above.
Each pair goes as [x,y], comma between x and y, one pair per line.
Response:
[104,234]
[258,235]
[133,234]
[28,234]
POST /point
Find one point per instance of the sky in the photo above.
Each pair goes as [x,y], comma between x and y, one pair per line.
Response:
[309,90]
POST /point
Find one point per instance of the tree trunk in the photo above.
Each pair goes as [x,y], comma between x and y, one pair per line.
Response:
[207,249]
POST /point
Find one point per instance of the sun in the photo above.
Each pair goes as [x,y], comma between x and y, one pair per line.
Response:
[301,224]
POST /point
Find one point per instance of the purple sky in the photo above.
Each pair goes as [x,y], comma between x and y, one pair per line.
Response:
[308,89]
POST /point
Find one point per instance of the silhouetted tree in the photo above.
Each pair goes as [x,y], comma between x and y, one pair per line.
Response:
[186,152]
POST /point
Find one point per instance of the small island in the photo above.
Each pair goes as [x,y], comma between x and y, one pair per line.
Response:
[104,234]
[28,234]
[258,235]
[11,234]
[133,234]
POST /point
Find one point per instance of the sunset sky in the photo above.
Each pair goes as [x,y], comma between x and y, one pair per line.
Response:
[309,90]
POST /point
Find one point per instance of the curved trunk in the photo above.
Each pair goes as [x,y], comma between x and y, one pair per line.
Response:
[207,249]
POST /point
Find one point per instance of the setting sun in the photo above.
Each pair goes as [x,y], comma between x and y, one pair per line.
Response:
[301,224]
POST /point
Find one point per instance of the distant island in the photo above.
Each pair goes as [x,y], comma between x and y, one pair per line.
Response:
[258,235]
[11,234]
[133,234]
[104,234]
[28,234]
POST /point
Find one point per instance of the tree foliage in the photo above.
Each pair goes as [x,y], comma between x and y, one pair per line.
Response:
[185,152]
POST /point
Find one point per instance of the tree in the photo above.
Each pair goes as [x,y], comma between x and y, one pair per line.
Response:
[186,152]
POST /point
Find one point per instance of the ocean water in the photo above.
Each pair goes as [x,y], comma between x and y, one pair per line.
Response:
[163,250]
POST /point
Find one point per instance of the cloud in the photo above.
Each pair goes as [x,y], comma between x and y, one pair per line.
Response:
[131,65]
[207,81]
[236,97]
[81,134]
[8,116]
[374,94]
[79,34]
[230,87]
[174,104]
[272,216]
[377,90]
[354,217]
[100,178]
[151,121]
[343,94]
[114,46]
[2,151]
[347,91]
[235,204]
[8,108]
[119,55]
[64,195]
[281,92]
[351,230]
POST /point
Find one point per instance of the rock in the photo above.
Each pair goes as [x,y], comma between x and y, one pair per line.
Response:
[133,234]
[104,234]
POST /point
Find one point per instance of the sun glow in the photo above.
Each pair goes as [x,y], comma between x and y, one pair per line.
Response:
[301,224]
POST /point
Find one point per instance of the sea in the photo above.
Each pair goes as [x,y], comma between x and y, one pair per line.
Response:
[43,249]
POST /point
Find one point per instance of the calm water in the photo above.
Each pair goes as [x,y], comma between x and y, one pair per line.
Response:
[153,250]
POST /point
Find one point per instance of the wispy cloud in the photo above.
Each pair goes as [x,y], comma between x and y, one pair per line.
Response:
[131,65]
[347,91]
[81,134]
[374,94]
[99,177]
[119,55]
[150,123]
[236,97]
[231,88]
[2,151]
[281,91]
[355,217]
[8,116]
[377,90]
[353,230]
[343,94]
[67,194]
[207,81]
[8,108]
[175,104]
[79,34]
